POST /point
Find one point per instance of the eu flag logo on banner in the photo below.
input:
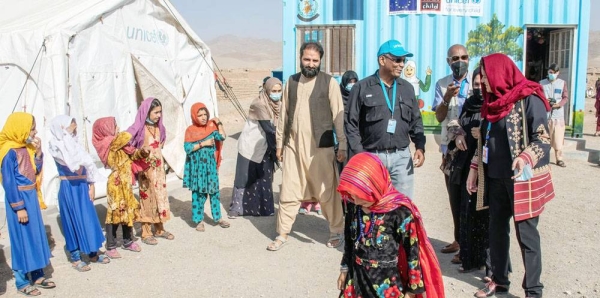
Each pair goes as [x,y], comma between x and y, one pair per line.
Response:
[403,6]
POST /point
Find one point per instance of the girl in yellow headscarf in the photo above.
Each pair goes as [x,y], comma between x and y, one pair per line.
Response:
[20,163]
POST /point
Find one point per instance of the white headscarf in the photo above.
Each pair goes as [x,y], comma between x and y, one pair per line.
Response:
[67,151]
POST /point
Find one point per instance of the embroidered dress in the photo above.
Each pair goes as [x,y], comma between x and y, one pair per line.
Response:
[371,253]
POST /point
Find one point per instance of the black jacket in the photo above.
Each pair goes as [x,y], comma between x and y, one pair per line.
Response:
[368,116]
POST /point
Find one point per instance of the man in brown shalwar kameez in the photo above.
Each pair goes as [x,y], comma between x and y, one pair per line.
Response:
[311,108]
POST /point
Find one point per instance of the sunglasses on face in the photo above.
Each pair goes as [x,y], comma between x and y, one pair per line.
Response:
[395,59]
[456,58]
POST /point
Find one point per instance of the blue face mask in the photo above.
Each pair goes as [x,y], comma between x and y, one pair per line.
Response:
[149,121]
[275,96]
[552,76]
[349,86]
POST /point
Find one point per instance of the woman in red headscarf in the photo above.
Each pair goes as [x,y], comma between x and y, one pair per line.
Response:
[387,252]
[511,165]
[203,142]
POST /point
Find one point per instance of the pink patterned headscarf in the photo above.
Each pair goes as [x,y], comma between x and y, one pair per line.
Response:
[137,128]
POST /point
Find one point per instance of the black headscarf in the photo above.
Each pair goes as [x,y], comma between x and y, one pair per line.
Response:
[348,75]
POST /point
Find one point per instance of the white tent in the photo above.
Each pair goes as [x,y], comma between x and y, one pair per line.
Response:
[97,58]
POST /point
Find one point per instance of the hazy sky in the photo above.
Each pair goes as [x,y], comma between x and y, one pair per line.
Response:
[213,18]
[255,18]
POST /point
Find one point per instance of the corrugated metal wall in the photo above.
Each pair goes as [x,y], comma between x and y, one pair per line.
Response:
[429,36]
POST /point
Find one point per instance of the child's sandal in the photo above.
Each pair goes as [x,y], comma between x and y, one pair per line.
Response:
[100,259]
[81,266]
[29,291]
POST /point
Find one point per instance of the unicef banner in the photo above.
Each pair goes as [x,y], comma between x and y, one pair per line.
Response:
[444,7]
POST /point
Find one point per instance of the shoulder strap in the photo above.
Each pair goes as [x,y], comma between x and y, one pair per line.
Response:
[525,130]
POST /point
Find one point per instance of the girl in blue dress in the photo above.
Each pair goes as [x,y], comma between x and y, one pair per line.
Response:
[77,173]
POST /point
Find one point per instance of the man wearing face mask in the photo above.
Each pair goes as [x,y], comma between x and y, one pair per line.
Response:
[384,117]
[310,107]
[450,95]
[555,90]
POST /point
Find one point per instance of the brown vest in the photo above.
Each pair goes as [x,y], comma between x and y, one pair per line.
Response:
[321,117]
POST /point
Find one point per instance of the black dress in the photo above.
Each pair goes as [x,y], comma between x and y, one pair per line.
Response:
[474,225]
[371,253]
[253,184]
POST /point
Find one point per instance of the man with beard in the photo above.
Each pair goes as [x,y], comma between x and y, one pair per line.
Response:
[311,107]
[384,117]
[450,94]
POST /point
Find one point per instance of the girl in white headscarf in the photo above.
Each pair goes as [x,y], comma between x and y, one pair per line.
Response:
[78,173]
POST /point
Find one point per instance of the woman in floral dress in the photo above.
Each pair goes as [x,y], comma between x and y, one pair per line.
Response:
[387,252]
[148,132]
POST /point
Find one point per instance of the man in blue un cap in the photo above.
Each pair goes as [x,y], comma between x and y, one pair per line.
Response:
[384,117]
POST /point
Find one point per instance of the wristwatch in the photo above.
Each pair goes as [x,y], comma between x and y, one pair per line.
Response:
[445,103]
[219,123]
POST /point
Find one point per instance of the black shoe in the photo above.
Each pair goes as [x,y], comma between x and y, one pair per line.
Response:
[491,289]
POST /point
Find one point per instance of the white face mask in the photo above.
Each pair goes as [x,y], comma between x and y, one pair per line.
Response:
[552,76]
[349,86]
[275,96]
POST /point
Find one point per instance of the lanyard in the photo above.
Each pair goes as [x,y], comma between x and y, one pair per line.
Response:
[463,84]
[391,104]
[487,134]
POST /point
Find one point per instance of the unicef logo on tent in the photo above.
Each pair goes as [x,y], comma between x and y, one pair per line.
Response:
[476,1]
[156,36]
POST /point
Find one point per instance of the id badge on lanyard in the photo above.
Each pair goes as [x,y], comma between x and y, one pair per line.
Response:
[391,126]
[484,154]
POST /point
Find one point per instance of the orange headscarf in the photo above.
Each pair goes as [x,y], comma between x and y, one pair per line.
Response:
[197,132]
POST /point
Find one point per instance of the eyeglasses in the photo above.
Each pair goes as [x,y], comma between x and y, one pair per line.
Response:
[456,58]
[395,59]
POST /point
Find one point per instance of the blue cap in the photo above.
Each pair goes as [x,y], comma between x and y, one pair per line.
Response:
[393,47]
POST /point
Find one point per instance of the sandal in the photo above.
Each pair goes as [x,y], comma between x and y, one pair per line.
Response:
[101,259]
[45,283]
[319,212]
[200,227]
[150,240]
[133,247]
[561,164]
[223,224]
[302,211]
[277,244]
[113,253]
[336,237]
[29,291]
[81,266]
[456,259]
[166,235]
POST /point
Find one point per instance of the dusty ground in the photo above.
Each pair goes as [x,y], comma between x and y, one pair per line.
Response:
[234,262]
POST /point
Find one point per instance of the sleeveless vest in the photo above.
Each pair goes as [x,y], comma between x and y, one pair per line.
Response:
[554,90]
[321,118]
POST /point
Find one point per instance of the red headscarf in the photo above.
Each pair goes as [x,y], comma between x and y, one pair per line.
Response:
[508,86]
[197,131]
[365,176]
[103,132]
